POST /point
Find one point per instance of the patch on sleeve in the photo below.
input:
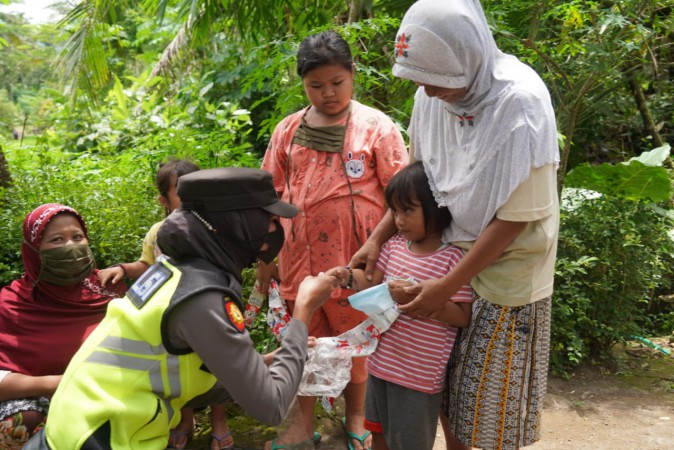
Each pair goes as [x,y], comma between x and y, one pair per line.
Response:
[234,314]
[148,284]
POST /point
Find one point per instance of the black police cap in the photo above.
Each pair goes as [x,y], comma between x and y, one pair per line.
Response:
[230,188]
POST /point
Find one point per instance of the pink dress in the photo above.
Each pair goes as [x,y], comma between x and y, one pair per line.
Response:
[322,235]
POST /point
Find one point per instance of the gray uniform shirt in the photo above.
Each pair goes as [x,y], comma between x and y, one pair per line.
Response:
[265,393]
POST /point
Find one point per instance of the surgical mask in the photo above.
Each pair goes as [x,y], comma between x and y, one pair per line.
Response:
[66,265]
[275,241]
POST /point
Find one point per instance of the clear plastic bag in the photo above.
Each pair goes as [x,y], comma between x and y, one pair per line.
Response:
[328,368]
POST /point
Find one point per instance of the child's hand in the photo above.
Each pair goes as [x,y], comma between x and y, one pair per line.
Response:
[341,273]
[396,289]
[113,274]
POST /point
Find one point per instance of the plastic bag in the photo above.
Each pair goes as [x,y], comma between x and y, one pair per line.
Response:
[328,368]
[253,305]
[277,316]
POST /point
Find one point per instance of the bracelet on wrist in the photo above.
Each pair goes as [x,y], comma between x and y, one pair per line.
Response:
[122,267]
[349,284]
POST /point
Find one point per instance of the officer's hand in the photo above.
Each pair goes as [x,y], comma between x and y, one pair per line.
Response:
[268,358]
[312,293]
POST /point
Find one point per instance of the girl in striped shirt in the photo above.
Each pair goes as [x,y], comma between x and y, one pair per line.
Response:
[406,373]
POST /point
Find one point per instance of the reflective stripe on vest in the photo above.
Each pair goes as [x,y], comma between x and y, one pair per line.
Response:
[139,360]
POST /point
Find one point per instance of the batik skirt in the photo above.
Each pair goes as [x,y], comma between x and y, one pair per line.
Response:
[13,434]
[497,375]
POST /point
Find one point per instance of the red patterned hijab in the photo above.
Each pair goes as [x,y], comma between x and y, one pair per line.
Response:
[42,325]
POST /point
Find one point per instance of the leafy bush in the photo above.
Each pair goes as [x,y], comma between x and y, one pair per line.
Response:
[115,195]
[105,168]
[615,257]
[9,116]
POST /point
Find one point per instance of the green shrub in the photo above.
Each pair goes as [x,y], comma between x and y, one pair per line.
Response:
[115,195]
[104,165]
[615,257]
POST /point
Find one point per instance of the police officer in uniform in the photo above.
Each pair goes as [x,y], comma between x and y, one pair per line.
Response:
[179,330]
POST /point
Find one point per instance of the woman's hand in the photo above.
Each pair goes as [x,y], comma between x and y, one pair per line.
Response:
[366,257]
[113,274]
[430,298]
[265,272]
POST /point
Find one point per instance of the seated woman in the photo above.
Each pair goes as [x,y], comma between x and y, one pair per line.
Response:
[45,315]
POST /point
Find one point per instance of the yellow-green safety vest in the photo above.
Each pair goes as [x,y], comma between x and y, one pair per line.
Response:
[124,374]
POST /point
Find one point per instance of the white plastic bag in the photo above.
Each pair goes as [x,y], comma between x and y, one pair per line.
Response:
[328,368]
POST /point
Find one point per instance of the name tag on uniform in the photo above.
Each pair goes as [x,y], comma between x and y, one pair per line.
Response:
[148,284]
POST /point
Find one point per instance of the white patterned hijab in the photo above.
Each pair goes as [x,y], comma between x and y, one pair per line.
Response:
[478,150]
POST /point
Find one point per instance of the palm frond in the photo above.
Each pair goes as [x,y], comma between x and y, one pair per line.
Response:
[83,58]
[171,53]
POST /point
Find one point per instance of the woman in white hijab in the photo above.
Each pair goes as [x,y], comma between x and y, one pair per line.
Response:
[484,127]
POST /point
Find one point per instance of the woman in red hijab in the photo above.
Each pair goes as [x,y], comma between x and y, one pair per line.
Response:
[45,315]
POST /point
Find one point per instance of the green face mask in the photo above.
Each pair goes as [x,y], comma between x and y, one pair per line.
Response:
[66,265]
[325,139]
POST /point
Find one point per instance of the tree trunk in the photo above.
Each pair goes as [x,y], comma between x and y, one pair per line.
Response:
[570,129]
[5,176]
[359,9]
[645,112]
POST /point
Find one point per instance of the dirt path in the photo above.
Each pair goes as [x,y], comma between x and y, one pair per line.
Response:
[633,409]
[628,408]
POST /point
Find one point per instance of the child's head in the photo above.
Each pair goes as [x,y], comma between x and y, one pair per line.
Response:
[167,181]
[408,191]
[326,48]
[325,65]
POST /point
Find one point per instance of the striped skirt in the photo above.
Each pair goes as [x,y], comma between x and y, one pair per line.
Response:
[497,375]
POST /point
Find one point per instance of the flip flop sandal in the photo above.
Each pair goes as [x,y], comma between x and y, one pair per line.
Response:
[299,446]
[224,439]
[176,436]
[360,438]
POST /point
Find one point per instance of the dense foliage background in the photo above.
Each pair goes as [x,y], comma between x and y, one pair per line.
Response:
[88,109]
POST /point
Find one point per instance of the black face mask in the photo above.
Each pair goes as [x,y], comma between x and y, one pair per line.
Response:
[275,241]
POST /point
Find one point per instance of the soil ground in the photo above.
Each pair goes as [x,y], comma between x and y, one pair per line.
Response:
[629,406]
